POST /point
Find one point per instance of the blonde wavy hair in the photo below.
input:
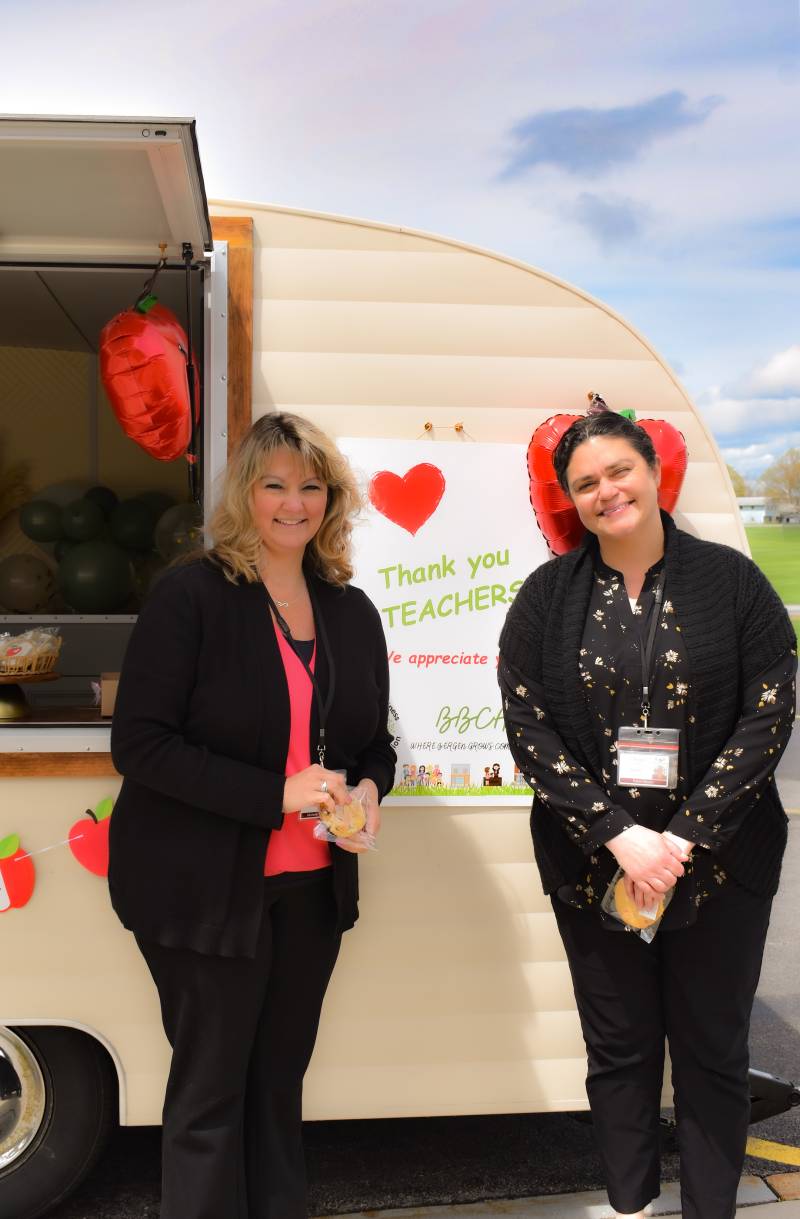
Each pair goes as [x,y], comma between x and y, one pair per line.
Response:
[235,542]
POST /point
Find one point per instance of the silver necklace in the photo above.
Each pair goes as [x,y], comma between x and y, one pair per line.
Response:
[283,604]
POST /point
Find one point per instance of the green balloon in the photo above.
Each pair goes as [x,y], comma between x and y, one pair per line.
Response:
[132,525]
[95,577]
[82,520]
[63,546]
[63,493]
[147,568]
[157,502]
[179,531]
[26,583]
[40,520]
[104,497]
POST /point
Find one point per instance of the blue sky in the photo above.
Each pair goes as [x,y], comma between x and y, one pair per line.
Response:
[646,153]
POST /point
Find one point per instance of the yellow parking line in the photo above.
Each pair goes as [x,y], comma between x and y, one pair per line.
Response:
[781,1153]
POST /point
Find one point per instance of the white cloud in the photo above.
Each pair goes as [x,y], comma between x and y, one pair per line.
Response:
[751,460]
[729,416]
[780,375]
[401,113]
[755,429]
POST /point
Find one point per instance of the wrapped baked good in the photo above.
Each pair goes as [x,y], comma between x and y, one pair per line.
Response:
[31,652]
[347,821]
[644,922]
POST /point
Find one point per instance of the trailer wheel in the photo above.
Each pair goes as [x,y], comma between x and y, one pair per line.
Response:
[58,1105]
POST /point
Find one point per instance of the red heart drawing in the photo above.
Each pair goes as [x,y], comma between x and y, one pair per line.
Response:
[554,511]
[411,500]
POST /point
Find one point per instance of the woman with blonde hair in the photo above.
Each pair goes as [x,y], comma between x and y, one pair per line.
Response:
[255,686]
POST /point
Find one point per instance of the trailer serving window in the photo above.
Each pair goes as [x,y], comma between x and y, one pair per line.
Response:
[87,518]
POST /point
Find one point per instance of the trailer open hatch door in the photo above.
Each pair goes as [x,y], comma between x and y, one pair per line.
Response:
[100,189]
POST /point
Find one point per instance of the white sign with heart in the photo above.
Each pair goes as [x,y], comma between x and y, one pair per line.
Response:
[447,539]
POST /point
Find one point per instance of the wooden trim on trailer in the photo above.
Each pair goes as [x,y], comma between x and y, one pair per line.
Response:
[238,232]
[56,765]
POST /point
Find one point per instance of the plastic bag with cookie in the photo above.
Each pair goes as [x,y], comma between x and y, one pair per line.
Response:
[642,922]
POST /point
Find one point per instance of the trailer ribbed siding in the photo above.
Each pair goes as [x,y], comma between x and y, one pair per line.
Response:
[452,995]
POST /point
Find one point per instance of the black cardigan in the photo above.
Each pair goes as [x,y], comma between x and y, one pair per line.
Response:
[201,733]
[733,625]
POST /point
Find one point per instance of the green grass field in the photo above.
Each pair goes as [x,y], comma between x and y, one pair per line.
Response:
[776,549]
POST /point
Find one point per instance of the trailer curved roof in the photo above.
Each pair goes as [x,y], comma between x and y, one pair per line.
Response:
[372,329]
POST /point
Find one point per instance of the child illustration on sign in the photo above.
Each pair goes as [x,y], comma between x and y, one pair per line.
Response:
[409,774]
[487,777]
[423,778]
[494,779]
[436,776]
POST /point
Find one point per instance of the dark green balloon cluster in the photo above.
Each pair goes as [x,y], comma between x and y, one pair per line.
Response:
[109,551]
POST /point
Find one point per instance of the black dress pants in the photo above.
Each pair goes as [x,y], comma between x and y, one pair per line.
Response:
[694,986]
[242,1031]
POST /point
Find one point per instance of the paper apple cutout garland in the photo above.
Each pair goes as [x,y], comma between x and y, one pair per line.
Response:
[88,840]
[17,874]
[555,513]
[411,500]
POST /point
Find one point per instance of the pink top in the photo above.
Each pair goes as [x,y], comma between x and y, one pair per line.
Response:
[294,848]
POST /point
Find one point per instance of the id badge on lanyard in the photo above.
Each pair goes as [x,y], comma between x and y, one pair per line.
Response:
[647,756]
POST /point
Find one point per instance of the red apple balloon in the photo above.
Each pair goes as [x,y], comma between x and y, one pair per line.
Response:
[555,513]
[17,875]
[143,363]
[670,445]
[88,840]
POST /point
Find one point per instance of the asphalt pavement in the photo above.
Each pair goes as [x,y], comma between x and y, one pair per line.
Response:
[532,1159]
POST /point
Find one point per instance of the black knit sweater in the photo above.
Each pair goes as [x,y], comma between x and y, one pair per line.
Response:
[733,626]
[201,733]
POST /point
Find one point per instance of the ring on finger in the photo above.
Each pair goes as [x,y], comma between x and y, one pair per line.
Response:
[324,787]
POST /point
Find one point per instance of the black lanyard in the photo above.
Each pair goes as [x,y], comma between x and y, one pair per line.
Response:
[323,708]
[648,649]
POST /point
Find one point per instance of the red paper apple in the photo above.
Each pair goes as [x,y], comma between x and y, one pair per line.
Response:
[411,500]
[17,875]
[88,840]
[555,513]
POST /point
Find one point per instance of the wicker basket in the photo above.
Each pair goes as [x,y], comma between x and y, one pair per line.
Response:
[30,665]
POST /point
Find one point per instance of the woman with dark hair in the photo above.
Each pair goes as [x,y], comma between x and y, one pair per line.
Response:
[646,634]
[255,687]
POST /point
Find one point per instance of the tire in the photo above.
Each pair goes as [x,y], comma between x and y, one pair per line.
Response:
[58,1106]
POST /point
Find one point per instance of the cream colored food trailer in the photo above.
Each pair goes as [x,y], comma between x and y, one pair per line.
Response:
[370,330]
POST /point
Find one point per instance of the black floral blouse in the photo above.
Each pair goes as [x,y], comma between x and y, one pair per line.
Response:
[611,670]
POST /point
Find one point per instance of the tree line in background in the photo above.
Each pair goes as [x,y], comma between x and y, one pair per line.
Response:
[779,482]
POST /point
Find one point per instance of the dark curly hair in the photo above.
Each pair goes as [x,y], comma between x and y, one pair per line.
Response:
[606,423]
